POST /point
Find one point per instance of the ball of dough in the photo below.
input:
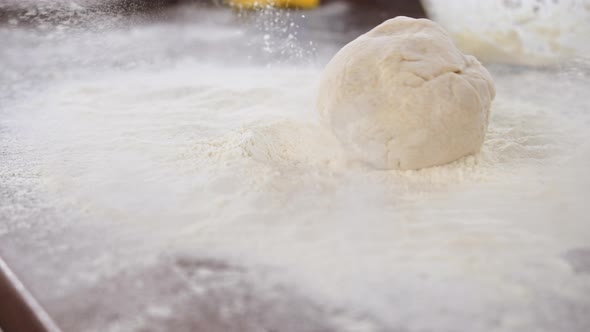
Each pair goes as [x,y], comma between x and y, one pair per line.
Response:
[402,96]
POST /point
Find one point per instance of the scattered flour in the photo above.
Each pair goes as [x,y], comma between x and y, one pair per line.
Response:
[207,160]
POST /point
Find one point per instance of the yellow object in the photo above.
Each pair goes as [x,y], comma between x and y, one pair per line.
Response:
[304,4]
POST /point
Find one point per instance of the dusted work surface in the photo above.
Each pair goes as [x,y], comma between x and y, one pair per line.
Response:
[173,175]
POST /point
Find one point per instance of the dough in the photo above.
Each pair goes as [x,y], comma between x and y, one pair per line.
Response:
[402,96]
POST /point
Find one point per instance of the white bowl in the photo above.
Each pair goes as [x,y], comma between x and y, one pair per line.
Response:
[530,32]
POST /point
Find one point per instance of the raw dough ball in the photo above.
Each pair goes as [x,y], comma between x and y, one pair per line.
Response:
[402,96]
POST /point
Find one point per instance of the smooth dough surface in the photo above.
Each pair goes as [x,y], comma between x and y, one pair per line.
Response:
[402,96]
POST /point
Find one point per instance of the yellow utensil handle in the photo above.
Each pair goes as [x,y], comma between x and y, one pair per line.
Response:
[304,4]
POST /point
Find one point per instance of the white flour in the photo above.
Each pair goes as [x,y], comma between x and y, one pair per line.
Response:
[234,161]
[229,161]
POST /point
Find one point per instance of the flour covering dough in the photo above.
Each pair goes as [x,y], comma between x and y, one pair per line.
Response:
[402,96]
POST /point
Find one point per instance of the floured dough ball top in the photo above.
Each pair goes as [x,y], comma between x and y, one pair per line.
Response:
[402,96]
